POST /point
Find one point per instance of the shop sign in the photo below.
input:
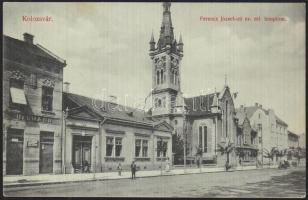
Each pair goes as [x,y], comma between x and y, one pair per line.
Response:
[32,143]
[33,118]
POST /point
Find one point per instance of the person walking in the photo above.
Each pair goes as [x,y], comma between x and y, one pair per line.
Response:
[119,169]
[133,168]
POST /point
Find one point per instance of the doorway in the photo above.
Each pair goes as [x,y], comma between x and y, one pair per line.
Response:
[14,153]
[82,153]
[46,152]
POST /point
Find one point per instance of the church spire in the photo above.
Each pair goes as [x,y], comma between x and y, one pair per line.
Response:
[166,31]
[152,43]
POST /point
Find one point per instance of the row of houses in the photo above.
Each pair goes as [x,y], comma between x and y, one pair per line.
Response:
[48,129]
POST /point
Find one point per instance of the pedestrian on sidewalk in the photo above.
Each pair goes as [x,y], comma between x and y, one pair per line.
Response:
[119,169]
[133,168]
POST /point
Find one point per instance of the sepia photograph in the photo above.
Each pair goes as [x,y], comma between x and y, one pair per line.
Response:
[154,99]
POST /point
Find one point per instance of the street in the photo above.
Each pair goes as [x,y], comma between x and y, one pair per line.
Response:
[250,183]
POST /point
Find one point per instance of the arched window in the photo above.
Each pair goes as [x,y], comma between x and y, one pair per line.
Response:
[176,78]
[159,103]
[203,142]
[157,77]
[162,76]
[226,112]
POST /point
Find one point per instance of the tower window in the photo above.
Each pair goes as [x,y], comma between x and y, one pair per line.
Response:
[162,76]
[157,77]
[159,103]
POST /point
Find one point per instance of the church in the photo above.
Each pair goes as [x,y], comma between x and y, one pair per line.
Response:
[206,123]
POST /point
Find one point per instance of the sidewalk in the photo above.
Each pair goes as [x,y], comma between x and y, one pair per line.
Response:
[15,181]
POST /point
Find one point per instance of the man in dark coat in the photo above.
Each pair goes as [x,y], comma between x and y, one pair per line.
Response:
[133,167]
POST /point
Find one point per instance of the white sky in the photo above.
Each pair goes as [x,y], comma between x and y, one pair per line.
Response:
[106,48]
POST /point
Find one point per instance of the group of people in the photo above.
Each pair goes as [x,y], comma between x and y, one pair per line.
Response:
[133,167]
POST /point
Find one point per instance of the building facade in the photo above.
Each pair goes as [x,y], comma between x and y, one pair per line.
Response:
[104,134]
[272,131]
[32,108]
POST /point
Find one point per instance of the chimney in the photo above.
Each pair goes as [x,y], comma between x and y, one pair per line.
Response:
[66,87]
[256,104]
[28,38]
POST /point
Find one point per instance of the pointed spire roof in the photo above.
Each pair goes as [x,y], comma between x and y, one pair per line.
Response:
[152,38]
[166,30]
[180,40]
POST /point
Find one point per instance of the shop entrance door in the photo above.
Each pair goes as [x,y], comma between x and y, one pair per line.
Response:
[14,153]
[46,152]
[82,153]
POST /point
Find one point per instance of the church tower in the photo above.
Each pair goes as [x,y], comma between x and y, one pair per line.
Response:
[166,57]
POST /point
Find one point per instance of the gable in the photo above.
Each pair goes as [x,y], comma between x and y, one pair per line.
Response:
[164,126]
[83,112]
[83,115]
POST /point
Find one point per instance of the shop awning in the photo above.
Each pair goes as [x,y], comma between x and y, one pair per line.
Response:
[18,96]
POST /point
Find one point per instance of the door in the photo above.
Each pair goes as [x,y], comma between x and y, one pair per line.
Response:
[82,152]
[46,152]
[14,153]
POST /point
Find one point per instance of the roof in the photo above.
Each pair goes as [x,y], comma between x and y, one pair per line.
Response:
[293,134]
[280,121]
[250,110]
[196,108]
[21,51]
[111,110]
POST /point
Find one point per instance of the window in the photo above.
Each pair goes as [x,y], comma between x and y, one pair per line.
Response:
[162,147]
[109,146]
[259,115]
[203,142]
[165,149]
[118,147]
[144,148]
[164,102]
[175,122]
[205,138]
[157,77]
[159,103]
[200,137]
[47,98]
[162,76]
[137,147]
[17,92]
[33,80]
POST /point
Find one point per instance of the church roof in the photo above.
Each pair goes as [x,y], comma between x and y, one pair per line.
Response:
[200,105]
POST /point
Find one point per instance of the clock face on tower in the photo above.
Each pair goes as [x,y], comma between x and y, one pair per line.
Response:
[174,62]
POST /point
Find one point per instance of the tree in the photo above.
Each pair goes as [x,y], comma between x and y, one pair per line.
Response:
[226,149]
[298,153]
[178,149]
[270,154]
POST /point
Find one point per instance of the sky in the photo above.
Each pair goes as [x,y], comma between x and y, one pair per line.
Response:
[106,48]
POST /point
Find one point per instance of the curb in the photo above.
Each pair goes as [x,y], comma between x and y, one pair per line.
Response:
[116,178]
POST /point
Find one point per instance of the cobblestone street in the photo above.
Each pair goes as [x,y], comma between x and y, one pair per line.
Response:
[251,183]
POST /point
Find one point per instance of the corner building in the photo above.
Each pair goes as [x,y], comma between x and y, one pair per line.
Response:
[32,108]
